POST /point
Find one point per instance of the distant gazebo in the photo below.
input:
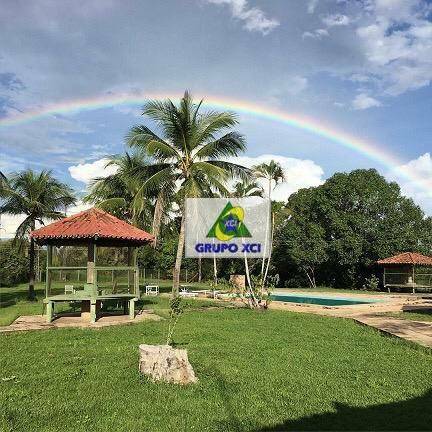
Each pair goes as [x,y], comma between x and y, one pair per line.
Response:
[93,229]
[407,270]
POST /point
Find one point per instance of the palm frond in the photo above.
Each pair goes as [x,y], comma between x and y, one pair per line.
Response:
[231,144]
[235,170]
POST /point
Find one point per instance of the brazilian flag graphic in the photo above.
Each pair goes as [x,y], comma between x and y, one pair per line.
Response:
[229,224]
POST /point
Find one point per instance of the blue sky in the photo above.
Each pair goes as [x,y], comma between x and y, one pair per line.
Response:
[363,66]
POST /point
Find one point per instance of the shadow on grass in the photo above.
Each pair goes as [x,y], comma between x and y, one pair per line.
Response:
[420,311]
[11,297]
[225,390]
[412,414]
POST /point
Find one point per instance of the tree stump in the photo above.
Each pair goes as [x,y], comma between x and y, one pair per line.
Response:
[164,363]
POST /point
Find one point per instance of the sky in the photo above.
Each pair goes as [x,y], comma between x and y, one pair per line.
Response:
[362,67]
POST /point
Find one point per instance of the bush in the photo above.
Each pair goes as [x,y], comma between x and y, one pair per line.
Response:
[13,265]
[371,283]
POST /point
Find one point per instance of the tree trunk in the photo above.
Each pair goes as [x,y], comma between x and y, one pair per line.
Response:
[199,269]
[310,273]
[215,278]
[31,292]
[266,235]
[251,299]
[264,277]
[177,266]
[157,219]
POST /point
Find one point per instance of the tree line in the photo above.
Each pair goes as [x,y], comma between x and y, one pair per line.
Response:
[327,235]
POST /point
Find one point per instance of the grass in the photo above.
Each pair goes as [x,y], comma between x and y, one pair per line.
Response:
[424,315]
[257,372]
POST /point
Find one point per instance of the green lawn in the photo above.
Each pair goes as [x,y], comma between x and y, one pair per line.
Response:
[257,371]
[425,315]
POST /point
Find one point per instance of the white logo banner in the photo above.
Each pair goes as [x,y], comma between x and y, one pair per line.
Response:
[227,227]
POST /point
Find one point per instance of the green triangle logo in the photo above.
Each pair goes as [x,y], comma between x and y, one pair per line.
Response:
[229,224]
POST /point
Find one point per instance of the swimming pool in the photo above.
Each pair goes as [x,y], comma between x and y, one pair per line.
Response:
[319,300]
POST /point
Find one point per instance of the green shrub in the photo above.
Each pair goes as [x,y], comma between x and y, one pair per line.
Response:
[13,265]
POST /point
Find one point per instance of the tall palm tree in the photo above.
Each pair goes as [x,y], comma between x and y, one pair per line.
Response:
[272,172]
[39,196]
[3,179]
[188,154]
[3,183]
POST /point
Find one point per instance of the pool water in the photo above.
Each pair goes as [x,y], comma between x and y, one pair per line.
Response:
[324,301]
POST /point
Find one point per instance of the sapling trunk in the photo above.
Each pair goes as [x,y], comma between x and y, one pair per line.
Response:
[177,266]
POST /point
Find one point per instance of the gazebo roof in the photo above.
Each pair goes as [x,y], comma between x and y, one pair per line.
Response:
[410,258]
[91,225]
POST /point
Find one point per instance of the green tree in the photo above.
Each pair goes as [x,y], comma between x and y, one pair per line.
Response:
[38,196]
[13,264]
[305,241]
[351,221]
[189,153]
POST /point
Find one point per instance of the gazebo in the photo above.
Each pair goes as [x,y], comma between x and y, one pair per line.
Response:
[407,270]
[93,229]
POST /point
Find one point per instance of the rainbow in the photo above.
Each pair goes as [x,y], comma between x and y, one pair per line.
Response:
[372,151]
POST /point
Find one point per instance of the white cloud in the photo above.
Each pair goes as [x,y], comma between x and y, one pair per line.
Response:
[420,190]
[299,173]
[363,101]
[397,44]
[254,18]
[287,87]
[88,171]
[315,34]
[10,223]
[312,6]
[333,20]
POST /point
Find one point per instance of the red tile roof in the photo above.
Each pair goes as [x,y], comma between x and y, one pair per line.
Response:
[92,224]
[408,258]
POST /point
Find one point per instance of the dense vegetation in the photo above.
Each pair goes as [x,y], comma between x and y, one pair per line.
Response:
[336,232]
[13,264]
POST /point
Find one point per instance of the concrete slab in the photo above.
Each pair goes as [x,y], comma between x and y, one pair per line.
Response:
[38,322]
[415,331]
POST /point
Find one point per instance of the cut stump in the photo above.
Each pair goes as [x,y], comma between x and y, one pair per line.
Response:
[164,363]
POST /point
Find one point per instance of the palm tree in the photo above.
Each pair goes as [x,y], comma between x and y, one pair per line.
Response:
[3,179]
[39,196]
[271,171]
[188,154]
[118,193]
[243,189]
[3,183]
